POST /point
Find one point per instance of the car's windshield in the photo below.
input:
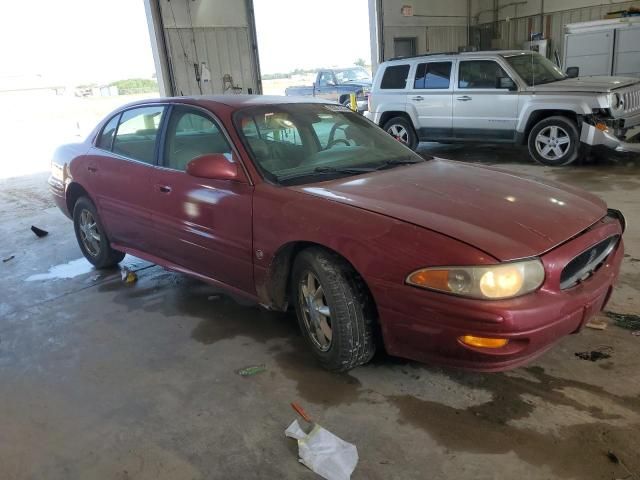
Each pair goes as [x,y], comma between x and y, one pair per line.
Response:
[352,75]
[535,69]
[304,143]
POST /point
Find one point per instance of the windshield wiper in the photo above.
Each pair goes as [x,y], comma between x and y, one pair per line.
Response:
[398,161]
[327,171]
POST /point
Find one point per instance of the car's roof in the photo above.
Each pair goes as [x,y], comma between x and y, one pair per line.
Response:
[235,101]
[482,53]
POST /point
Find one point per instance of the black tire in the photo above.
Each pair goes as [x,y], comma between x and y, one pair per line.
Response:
[397,126]
[102,255]
[352,314]
[559,154]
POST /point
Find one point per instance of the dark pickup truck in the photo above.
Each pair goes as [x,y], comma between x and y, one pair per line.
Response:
[337,85]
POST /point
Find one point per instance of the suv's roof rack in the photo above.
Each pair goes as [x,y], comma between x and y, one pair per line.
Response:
[421,55]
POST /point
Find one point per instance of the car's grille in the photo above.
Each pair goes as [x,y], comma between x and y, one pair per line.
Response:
[582,266]
[631,101]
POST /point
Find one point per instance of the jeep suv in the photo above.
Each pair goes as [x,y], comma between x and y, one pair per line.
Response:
[505,96]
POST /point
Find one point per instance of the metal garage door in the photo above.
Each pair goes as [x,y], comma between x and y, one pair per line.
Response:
[626,59]
[592,52]
[205,46]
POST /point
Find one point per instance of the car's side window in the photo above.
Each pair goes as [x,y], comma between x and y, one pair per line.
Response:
[326,78]
[395,77]
[137,133]
[106,136]
[480,74]
[434,75]
[191,134]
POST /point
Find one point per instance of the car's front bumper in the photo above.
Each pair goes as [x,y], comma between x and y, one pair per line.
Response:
[426,326]
[591,135]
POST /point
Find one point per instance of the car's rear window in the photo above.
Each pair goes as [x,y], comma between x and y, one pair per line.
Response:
[395,77]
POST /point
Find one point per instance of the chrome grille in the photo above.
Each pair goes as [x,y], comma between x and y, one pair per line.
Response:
[631,101]
[583,266]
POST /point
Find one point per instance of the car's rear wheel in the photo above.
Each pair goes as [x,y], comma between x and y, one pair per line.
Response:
[401,129]
[554,141]
[92,236]
[334,310]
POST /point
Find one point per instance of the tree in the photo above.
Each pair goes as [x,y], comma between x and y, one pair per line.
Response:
[360,62]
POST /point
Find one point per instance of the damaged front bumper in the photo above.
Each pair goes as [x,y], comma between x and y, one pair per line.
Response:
[604,133]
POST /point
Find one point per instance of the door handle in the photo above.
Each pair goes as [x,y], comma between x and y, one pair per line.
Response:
[164,188]
[464,98]
[417,98]
[92,169]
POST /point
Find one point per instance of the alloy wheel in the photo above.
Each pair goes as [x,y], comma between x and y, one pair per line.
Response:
[89,233]
[552,142]
[399,133]
[315,311]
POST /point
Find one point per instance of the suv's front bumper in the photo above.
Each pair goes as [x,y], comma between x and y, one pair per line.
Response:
[592,135]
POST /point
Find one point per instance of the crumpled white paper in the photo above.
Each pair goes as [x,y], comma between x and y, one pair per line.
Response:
[324,453]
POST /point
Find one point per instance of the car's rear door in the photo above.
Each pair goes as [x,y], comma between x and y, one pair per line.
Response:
[203,225]
[429,99]
[482,111]
[120,171]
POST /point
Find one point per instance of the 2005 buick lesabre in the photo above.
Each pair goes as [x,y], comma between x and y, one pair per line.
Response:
[304,203]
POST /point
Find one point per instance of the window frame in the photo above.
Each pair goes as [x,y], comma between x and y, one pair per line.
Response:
[101,132]
[426,63]
[486,89]
[161,151]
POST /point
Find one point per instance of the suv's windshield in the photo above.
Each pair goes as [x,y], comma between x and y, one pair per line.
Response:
[352,75]
[535,69]
[303,143]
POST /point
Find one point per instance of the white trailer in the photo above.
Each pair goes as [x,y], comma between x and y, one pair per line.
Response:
[603,47]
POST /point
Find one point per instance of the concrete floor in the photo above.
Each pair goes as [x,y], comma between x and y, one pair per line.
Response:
[99,379]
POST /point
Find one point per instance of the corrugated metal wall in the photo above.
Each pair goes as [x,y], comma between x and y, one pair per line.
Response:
[446,39]
[222,49]
[513,33]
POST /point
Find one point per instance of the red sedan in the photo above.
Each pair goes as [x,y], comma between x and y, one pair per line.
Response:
[305,203]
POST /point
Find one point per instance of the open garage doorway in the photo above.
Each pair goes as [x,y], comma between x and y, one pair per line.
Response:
[298,38]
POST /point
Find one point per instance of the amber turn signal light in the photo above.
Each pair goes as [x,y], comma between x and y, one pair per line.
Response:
[483,342]
[602,127]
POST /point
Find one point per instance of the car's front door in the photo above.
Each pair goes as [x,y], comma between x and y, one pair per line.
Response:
[120,170]
[430,99]
[326,87]
[485,102]
[203,225]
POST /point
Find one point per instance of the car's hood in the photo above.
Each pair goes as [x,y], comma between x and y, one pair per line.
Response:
[587,84]
[504,215]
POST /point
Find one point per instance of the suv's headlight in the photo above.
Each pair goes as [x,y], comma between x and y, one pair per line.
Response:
[615,101]
[489,282]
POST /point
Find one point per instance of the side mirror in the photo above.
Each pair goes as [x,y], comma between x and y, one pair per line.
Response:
[573,72]
[215,166]
[506,82]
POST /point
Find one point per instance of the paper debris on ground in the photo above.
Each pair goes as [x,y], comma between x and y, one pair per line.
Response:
[128,276]
[324,453]
[597,324]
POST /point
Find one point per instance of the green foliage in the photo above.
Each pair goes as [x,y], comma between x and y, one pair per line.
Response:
[360,62]
[135,85]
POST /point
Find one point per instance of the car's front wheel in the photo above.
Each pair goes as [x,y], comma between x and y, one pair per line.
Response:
[92,237]
[554,141]
[334,310]
[401,129]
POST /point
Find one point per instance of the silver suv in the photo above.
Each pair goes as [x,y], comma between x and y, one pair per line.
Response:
[505,96]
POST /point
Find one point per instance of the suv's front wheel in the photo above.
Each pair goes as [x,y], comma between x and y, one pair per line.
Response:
[401,129]
[554,141]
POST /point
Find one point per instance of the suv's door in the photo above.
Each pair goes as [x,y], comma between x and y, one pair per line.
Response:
[482,110]
[120,169]
[203,225]
[326,87]
[430,98]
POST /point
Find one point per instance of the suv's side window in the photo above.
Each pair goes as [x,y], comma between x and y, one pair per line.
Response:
[106,136]
[137,132]
[480,74]
[395,77]
[191,134]
[433,75]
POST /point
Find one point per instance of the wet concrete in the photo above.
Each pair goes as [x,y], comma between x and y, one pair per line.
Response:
[99,379]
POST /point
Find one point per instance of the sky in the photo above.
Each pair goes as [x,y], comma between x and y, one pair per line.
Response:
[82,41]
[311,33]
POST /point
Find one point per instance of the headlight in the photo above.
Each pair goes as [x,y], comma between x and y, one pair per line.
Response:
[490,282]
[615,101]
